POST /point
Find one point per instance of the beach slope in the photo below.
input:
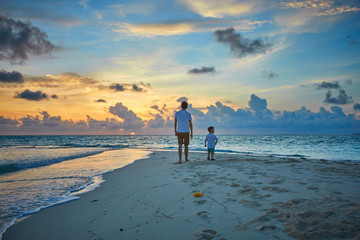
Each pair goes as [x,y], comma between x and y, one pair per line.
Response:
[243,198]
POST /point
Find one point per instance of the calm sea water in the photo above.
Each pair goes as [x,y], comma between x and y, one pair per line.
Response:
[40,171]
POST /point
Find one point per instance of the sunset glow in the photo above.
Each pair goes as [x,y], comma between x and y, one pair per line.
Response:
[110,67]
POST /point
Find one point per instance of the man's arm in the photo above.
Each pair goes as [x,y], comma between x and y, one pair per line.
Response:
[191,129]
[175,126]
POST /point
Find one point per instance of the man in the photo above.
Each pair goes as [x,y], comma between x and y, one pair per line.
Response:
[182,125]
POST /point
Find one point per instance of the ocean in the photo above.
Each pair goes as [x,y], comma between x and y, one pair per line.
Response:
[41,171]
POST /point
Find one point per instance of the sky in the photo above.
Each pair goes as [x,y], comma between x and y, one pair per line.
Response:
[123,67]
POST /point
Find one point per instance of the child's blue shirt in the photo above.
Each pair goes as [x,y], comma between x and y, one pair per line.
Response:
[211,139]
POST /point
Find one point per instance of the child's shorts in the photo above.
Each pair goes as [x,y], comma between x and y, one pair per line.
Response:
[211,150]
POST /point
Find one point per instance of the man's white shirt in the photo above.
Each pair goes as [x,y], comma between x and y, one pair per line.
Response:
[183,118]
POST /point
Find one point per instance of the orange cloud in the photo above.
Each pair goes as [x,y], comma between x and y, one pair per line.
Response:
[321,7]
[219,9]
[179,28]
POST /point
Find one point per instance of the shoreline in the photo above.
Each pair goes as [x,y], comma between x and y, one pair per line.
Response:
[244,196]
[131,155]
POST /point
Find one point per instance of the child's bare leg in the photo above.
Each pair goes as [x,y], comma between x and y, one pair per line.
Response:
[212,155]
[186,150]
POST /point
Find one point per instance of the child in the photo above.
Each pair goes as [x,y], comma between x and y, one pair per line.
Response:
[211,140]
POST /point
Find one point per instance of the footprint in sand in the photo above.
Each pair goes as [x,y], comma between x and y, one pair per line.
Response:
[276,181]
[246,190]
[200,201]
[206,234]
[276,189]
[270,227]
[203,214]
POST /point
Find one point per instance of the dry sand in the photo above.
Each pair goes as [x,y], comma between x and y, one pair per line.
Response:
[244,198]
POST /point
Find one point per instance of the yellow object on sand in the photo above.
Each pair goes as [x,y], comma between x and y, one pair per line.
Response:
[197,194]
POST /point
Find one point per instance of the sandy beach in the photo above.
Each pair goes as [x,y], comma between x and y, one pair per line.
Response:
[244,197]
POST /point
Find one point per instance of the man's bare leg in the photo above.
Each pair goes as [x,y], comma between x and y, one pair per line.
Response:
[180,152]
[186,153]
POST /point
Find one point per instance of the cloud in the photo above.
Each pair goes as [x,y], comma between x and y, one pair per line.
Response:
[47,124]
[144,8]
[160,110]
[11,77]
[117,87]
[101,101]
[157,29]
[257,104]
[51,121]
[322,7]
[257,119]
[84,3]
[328,85]
[19,41]
[130,87]
[136,88]
[239,45]
[182,99]
[130,120]
[201,70]
[180,27]
[337,110]
[68,81]
[33,12]
[269,74]
[313,16]
[306,4]
[348,82]
[157,108]
[32,96]
[357,107]
[157,122]
[7,122]
[219,9]
[341,99]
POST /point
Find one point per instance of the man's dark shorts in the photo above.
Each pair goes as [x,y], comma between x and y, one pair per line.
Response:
[183,138]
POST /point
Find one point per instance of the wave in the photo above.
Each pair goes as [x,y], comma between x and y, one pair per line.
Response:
[13,167]
[32,211]
[73,145]
[293,155]
[216,150]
